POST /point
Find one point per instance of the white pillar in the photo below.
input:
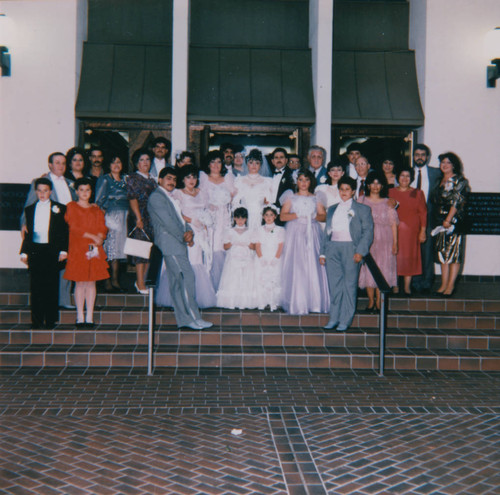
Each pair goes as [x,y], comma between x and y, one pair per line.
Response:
[180,50]
[320,41]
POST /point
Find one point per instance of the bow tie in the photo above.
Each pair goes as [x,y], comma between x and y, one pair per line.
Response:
[276,172]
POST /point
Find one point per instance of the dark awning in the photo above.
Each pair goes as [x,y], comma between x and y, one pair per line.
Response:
[250,85]
[125,81]
[375,88]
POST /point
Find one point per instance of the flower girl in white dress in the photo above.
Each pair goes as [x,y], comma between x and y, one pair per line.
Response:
[237,286]
[269,241]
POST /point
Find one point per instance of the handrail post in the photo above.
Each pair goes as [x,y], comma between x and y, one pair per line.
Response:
[383,320]
[150,330]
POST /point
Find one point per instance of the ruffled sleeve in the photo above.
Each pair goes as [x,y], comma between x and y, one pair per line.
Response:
[459,193]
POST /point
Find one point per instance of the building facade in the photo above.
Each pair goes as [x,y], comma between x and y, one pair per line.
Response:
[268,72]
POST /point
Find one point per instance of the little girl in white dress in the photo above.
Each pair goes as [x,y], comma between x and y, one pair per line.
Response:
[269,241]
[237,286]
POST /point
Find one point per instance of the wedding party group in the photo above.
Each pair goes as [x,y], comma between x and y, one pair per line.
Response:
[243,230]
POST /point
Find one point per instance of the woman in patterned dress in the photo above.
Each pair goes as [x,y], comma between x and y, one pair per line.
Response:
[140,185]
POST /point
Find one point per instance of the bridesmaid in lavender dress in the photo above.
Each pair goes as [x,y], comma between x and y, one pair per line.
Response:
[218,184]
[193,204]
[304,281]
[385,238]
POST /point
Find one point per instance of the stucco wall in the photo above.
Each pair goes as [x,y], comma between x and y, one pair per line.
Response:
[37,113]
[461,114]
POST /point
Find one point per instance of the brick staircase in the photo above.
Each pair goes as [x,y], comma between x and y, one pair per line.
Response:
[422,334]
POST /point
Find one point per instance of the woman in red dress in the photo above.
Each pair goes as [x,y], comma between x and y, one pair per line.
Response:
[86,257]
[412,213]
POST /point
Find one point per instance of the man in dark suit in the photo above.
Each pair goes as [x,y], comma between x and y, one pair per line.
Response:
[172,235]
[348,237]
[63,193]
[282,176]
[161,148]
[427,180]
[44,247]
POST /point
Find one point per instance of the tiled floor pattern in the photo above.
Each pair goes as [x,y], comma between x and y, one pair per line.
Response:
[85,432]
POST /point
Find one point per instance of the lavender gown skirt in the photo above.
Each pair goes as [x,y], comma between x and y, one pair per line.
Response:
[304,281]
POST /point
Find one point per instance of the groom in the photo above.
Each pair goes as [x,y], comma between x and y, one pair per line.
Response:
[348,237]
[172,235]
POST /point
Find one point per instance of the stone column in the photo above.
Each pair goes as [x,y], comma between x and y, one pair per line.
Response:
[320,41]
[180,58]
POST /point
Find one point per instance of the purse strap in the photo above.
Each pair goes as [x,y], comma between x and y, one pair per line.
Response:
[142,232]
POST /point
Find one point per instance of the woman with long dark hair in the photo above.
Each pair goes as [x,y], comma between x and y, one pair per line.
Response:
[449,201]
[304,282]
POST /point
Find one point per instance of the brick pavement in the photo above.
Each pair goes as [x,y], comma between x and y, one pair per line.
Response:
[105,432]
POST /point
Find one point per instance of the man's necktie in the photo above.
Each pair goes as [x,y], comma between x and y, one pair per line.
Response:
[362,188]
[419,180]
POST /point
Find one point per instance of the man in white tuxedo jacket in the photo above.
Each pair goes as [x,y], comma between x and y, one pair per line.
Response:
[172,235]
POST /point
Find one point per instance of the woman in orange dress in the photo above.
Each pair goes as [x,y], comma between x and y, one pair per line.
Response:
[86,257]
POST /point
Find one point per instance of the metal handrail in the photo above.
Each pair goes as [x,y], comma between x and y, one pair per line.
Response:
[384,288]
[155,262]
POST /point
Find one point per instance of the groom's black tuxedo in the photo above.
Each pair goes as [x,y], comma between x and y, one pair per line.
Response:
[286,183]
[43,264]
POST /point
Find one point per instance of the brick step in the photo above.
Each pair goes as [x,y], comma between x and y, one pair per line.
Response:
[431,338]
[401,319]
[130,301]
[248,357]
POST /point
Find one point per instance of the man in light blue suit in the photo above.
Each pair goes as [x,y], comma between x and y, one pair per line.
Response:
[348,237]
[172,235]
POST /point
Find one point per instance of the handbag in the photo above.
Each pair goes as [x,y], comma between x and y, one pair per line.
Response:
[137,247]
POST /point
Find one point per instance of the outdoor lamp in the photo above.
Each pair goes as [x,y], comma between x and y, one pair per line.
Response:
[4,51]
[492,44]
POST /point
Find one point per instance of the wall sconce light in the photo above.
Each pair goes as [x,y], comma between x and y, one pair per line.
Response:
[5,61]
[4,51]
[492,44]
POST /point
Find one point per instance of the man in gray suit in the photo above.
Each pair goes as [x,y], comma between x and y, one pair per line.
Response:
[348,237]
[172,235]
[63,193]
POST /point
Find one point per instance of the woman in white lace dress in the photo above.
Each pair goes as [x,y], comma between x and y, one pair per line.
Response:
[218,185]
[253,190]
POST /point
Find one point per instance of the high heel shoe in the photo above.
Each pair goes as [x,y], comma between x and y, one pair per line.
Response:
[144,292]
[118,289]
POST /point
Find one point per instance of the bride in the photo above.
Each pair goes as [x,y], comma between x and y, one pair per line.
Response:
[253,189]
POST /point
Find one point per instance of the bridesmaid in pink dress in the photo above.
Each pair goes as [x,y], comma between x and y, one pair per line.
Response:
[385,238]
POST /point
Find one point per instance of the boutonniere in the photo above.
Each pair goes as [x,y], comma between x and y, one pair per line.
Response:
[283,180]
[323,179]
[56,209]
[351,214]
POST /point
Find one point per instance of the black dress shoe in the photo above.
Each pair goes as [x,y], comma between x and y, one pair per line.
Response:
[80,324]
